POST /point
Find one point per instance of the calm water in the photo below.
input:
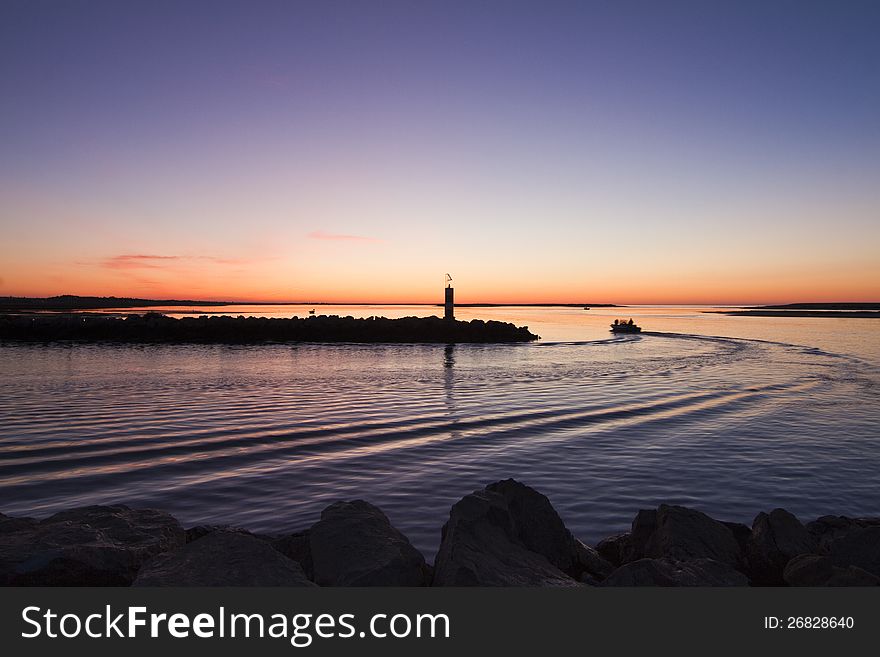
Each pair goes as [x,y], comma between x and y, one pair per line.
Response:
[733,415]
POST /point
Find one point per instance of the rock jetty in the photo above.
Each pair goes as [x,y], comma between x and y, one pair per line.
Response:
[154,327]
[506,534]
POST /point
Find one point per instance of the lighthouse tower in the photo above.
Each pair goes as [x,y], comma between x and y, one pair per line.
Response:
[448,305]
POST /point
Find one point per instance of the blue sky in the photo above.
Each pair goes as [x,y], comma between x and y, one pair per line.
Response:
[728,151]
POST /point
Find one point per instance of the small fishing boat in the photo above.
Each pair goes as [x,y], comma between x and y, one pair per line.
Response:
[625,326]
[312,311]
[586,307]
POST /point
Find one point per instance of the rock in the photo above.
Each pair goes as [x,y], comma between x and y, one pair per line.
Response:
[200,531]
[643,527]
[684,534]
[776,538]
[852,576]
[296,546]
[616,549]
[354,544]
[860,546]
[818,570]
[507,534]
[669,572]
[536,524]
[829,528]
[808,570]
[541,530]
[588,564]
[742,533]
[13,524]
[630,546]
[89,546]
[223,558]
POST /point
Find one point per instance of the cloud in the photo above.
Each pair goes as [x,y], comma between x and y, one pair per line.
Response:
[337,237]
[138,261]
[151,261]
[275,81]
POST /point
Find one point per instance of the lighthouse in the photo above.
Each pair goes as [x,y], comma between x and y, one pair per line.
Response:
[448,305]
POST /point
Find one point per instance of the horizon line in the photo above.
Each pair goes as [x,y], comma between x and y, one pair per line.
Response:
[218,302]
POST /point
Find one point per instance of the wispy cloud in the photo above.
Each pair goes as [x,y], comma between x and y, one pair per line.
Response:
[152,261]
[338,237]
[138,261]
[275,80]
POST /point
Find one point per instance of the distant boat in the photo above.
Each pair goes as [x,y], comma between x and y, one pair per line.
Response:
[312,311]
[586,307]
[624,326]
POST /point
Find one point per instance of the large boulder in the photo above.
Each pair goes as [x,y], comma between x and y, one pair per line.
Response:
[588,565]
[808,570]
[14,524]
[818,570]
[683,534]
[200,531]
[669,572]
[508,534]
[858,547]
[541,530]
[776,538]
[89,546]
[223,558]
[852,576]
[742,533]
[616,549]
[296,546]
[354,544]
[643,527]
[827,529]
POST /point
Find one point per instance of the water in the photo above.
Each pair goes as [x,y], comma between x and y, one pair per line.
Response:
[732,415]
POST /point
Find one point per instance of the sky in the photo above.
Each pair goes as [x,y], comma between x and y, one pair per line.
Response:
[597,152]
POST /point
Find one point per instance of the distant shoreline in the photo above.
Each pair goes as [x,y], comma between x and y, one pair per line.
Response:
[821,306]
[69,302]
[74,302]
[857,314]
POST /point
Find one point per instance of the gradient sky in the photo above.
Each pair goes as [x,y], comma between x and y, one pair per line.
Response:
[630,152]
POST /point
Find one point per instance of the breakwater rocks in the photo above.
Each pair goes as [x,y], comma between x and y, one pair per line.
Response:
[505,534]
[157,328]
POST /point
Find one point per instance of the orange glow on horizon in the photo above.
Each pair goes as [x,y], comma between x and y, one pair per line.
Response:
[356,271]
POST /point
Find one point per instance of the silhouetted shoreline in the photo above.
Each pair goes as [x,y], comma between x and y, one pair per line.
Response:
[535,305]
[822,306]
[799,313]
[75,302]
[157,328]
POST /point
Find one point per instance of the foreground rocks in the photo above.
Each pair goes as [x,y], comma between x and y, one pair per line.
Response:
[354,544]
[669,572]
[90,546]
[819,570]
[506,534]
[676,532]
[777,538]
[223,558]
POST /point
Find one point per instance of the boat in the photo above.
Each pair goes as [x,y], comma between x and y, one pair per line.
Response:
[625,326]
[312,311]
[586,307]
